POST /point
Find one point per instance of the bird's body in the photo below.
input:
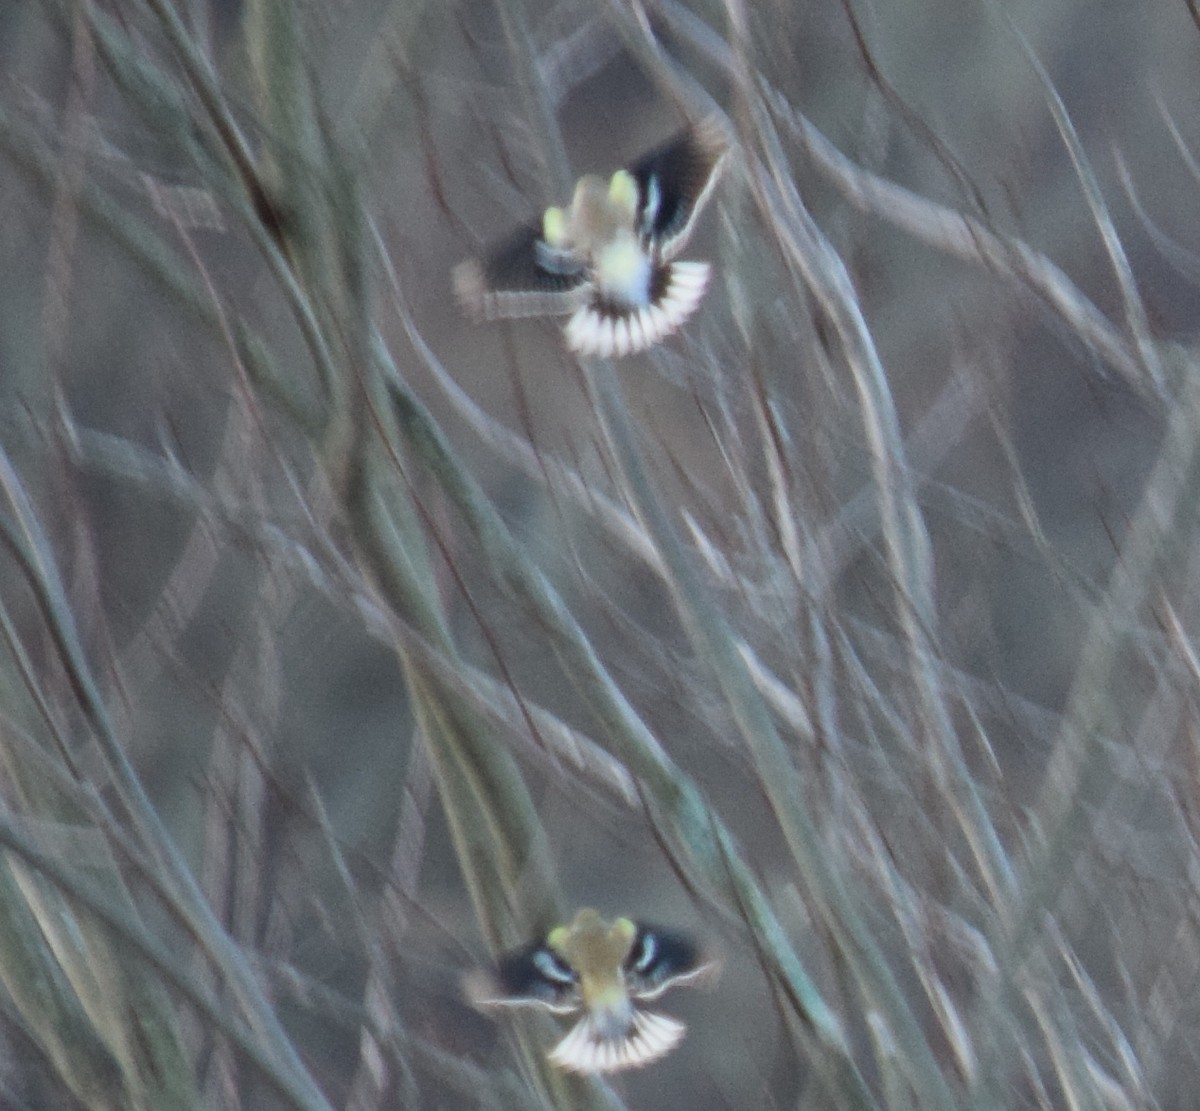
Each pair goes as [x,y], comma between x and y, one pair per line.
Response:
[609,258]
[605,970]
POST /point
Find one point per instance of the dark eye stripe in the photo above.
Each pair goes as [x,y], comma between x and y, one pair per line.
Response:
[554,969]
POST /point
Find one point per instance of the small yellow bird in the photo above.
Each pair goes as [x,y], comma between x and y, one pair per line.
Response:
[604,970]
[608,259]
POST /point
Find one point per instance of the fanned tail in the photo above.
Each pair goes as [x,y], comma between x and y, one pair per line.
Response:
[607,331]
[587,1048]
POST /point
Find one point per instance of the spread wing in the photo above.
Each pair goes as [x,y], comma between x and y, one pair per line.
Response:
[521,276]
[530,977]
[675,182]
[659,960]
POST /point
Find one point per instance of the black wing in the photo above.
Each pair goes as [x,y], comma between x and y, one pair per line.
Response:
[659,959]
[674,183]
[521,277]
[534,976]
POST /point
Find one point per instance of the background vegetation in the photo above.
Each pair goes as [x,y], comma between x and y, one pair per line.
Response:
[345,642]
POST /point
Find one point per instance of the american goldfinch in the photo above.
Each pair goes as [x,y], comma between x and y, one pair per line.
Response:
[604,970]
[609,258]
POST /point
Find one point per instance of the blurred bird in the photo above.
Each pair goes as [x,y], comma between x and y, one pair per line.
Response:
[604,970]
[608,259]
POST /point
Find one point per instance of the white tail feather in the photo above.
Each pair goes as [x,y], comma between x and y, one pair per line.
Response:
[588,1049]
[592,331]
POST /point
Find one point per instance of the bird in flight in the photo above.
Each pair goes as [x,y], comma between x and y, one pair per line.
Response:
[606,970]
[609,258]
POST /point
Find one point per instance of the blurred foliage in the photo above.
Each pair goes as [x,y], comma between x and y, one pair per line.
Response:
[344,642]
